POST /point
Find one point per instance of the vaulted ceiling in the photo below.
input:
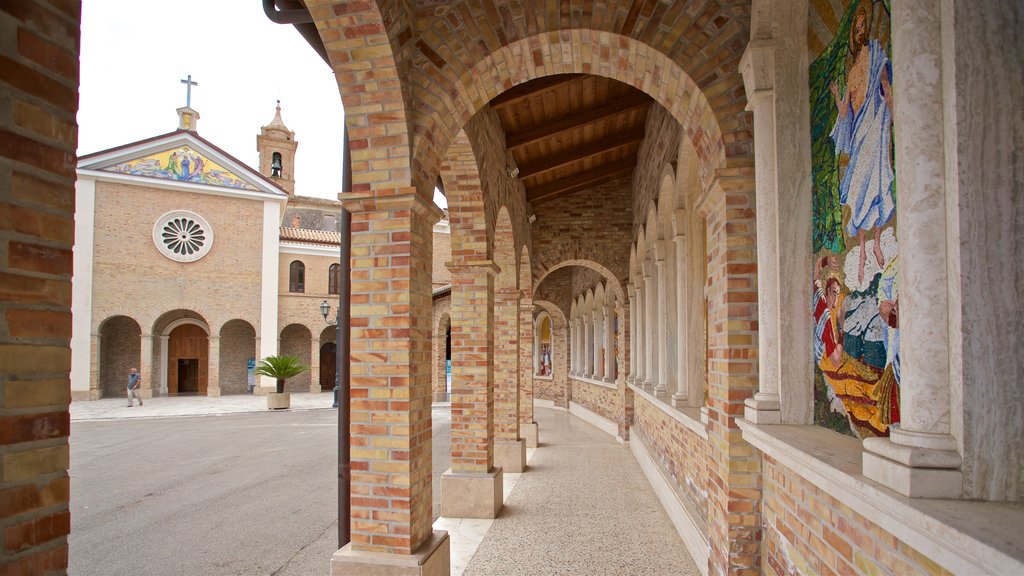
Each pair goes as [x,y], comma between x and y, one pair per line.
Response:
[571,132]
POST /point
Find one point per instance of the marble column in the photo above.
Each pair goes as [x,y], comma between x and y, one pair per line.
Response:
[680,397]
[631,290]
[757,67]
[609,343]
[921,457]
[661,388]
[640,352]
[650,328]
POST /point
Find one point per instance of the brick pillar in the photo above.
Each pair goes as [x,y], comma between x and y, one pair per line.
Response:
[390,377]
[734,467]
[527,427]
[314,365]
[213,367]
[39,91]
[149,388]
[472,487]
[509,448]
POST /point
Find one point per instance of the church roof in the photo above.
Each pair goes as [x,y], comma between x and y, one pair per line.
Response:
[182,157]
[304,236]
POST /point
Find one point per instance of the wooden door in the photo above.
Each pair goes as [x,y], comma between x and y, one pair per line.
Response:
[188,342]
[328,366]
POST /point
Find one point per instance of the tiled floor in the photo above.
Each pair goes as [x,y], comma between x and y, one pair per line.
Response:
[582,507]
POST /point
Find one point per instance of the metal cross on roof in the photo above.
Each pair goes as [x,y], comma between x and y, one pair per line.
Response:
[188,94]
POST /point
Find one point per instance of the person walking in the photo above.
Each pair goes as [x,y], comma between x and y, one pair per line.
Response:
[134,381]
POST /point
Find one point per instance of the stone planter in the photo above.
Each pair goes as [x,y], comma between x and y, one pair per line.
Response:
[279,401]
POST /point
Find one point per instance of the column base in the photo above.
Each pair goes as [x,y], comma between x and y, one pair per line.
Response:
[472,494]
[510,455]
[679,401]
[661,394]
[432,558]
[913,471]
[763,409]
[529,432]
[213,392]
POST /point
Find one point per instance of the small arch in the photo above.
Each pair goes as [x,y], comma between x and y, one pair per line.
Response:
[120,349]
[543,345]
[442,368]
[237,357]
[297,277]
[297,340]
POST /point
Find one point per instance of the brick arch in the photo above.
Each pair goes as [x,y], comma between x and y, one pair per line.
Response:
[605,53]
[356,34]
[466,214]
[504,251]
[612,282]
[525,276]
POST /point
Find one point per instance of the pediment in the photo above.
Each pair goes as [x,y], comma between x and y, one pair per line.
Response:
[183,158]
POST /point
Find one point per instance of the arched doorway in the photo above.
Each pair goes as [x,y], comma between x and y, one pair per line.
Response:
[187,360]
[328,366]
[120,349]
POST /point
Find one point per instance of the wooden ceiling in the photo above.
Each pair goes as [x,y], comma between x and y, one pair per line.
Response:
[571,132]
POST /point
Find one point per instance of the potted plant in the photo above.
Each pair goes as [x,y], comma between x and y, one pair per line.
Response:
[280,368]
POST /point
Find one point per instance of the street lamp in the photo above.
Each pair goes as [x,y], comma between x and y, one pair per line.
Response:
[325,311]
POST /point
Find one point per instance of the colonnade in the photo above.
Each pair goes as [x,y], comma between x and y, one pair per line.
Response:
[592,328]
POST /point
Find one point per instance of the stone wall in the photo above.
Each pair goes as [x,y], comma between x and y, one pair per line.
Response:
[602,400]
[807,531]
[681,453]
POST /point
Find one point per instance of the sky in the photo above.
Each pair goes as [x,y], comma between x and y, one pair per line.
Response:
[133,60]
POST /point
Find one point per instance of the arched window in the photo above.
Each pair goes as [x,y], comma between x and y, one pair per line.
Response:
[275,165]
[334,279]
[297,277]
[544,359]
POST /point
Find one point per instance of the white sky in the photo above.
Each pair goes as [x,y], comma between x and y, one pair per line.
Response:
[133,60]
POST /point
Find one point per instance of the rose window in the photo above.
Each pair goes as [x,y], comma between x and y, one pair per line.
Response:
[182,236]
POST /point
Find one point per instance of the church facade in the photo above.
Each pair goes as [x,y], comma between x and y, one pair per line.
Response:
[771,245]
[191,266]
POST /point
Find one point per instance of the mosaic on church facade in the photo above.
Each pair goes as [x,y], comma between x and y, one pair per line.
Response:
[856,295]
[182,164]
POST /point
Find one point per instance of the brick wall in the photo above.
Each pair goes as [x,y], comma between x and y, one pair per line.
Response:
[809,532]
[659,147]
[120,350]
[442,256]
[601,400]
[679,451]
[38,88]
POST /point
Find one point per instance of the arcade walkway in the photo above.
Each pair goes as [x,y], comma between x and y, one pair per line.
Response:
[582,507]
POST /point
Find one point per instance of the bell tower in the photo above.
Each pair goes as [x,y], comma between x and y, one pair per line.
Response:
[276,145]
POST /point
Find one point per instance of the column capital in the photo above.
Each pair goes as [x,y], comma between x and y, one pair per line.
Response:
[758,67]
[660,249]
[403,198]
[631,290]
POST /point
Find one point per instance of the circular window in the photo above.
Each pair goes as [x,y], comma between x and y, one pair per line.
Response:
[182,236]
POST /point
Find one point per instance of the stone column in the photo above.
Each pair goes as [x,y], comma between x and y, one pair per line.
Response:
[588,346]
[509,448]
[94,366]
[596,370]
[146,366]
[609,343]
[920,458]
[162,376]
[757,67]
[631,290]
[640,353]
[213,367]
[661,388]
[314,365]
[576,351]
[472,487]
[527,368]
[650,328]
[680,397]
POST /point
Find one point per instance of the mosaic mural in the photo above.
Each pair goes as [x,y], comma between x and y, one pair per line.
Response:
[856,290]
[184,164]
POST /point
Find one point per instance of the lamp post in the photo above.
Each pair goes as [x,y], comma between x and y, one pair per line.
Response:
[325,311]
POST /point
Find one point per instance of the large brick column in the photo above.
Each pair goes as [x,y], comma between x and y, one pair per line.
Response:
[39,88]
[734,469]
[390,386]
[472,487]
[509,448]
